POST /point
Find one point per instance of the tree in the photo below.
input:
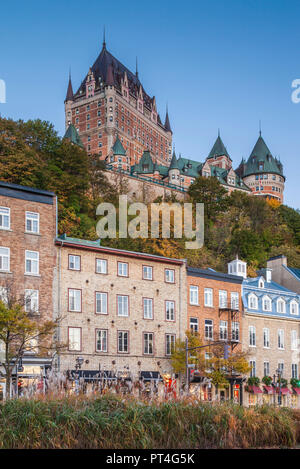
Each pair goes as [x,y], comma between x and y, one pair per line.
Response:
[210,192]
[20,332]
[218,367]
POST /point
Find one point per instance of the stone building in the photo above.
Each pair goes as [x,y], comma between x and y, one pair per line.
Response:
[270,337]
[27,255]
[122,310]
[287,276]
[263,173]
[214,312]
[111,100]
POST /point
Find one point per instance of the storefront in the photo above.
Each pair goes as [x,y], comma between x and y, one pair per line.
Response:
[254,395]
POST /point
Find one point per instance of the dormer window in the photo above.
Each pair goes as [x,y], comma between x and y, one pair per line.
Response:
[281,306]
[261,283]
[253,301]
[294,307]
[267,303]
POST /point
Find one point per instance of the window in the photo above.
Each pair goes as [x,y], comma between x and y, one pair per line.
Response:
[101,266]
[223,330]
[4,258]
[222,298]
[148,308]
[123,309]
[148,343]
[4,295]
[208,329]
[294,340]
[101,303]
[267,303]
[31,301]
[123,269]
[74,262]
[31,262]
[75,339]
[280,306]
[252,364]
[75,300]
[123,339]
[280,339]
[294,308]
[170,311]
[253,304]
[194,295]
[235,331]
[252,336]
[235,299]
[32,222]
[147,272]
[266,369]
[170,275]
[266,334]
[261,284]
[4,218]
[170,343]
[281,368]
[194,325]
[294,370]
[101,340]
[208,297]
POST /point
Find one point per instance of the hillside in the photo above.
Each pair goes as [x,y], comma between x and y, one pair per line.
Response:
[32,154]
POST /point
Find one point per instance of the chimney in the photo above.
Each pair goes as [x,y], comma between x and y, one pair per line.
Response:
[268,275]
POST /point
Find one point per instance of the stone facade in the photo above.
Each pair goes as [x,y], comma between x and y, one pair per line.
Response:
[137,290]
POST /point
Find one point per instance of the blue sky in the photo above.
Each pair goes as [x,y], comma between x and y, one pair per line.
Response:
[219,64]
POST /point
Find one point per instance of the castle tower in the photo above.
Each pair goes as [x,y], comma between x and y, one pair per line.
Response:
[111,99]
[262,172]
[218,155]
[174,171]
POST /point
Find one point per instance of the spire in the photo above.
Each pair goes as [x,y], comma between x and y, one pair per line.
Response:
[219,148]
[260,128]
[118,148]
[110,75]
[70,95]
[73,136]
[167,121]
[136,68]
[174,163]
[104,43]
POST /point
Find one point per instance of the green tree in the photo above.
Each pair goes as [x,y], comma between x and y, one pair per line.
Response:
[210,192]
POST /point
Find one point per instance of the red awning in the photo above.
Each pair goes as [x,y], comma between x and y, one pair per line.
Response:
[296,390]
[254,389]
[269,389]
[284,391]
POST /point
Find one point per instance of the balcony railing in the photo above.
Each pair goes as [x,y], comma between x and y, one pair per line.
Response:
[224,304]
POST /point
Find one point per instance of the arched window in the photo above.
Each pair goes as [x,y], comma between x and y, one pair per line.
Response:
[267,303]
[294,307]
[281,306]
[253,302]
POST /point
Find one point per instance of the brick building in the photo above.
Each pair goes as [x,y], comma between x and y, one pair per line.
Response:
[111,100]
[214,311]
[27,253]
[122,310]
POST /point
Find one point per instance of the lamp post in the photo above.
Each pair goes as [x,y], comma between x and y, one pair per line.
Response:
[78,364]
[279,373]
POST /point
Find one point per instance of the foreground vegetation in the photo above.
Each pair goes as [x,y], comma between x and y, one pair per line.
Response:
[110,422]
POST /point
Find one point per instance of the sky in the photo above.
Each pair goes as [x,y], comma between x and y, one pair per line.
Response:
[218,64]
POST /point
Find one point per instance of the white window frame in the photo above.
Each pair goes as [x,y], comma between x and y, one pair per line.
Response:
[235,331]
[294,340]
[295,373]
[102,338]
[101,299]
[266,298]
[252,364]
[123,306]
[208,329]
[170,343]
[122,338]
[194,295]
[73,296]
[266,337]
[266,368]
[148,308]
[253,297]
[5,214]
[77,340]
[148,343]
[4,255]
[170,273]
[294,303]
[32,296]
[223,330]
[170,310]
[280,339]
[223,298]
[32,217]
[194,325]
[102,262]
[76,257]
[32,262]
[208,297]
[123,269]
[146,270]
[281,301]
[252,336]
[234,300]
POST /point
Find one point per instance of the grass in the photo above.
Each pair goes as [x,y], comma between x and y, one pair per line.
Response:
[110,422]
